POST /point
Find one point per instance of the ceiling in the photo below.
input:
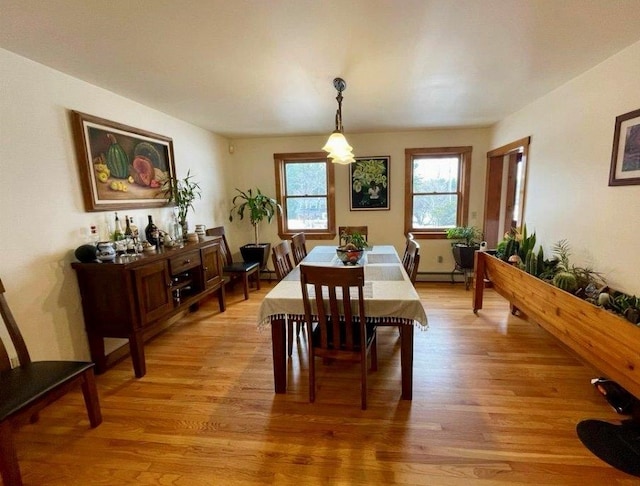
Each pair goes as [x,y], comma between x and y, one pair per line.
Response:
[247,68]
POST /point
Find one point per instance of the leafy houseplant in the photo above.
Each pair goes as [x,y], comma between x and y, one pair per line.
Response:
[182,192]
[467,242]
[470,235]
[353,240]
[352,249]
[258,206]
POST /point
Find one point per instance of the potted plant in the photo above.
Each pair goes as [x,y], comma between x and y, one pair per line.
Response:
[182,192]
[352,249]
[467,242]
[258,206]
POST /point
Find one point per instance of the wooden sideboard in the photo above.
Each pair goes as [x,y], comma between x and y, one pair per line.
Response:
[134,298]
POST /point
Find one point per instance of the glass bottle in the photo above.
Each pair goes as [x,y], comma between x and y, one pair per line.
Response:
[151,232]
[94,237]
[118,234]
[177,231]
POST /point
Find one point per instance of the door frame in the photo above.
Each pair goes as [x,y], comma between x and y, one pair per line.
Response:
[498,188]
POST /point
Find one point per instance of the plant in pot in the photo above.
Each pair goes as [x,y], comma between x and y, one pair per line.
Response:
[467,242]
[257,206]
[352,249]
[182,192]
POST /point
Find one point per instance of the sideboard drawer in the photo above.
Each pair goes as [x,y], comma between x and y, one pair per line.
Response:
[185,262]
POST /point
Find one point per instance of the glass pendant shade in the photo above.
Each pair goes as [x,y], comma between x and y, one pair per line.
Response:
[337,144]
[344,160]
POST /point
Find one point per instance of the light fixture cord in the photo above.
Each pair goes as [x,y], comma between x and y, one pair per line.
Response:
[340,85]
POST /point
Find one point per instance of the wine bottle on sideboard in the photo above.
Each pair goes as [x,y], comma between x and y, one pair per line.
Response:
[151,232]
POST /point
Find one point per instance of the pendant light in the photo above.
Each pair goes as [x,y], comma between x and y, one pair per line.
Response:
[340,152]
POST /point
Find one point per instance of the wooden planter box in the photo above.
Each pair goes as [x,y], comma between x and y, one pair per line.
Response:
[608,342]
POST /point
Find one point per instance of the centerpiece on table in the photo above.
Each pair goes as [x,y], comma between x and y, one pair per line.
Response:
[353,248]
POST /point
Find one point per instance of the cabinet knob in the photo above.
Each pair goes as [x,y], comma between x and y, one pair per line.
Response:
[206,269]
[186,262]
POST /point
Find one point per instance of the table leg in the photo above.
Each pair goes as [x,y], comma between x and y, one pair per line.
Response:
[406,360]
[278,348]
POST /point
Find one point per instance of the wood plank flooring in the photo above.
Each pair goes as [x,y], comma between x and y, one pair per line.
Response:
[496,401]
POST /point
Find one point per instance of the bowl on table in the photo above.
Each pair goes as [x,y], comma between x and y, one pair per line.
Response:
[349,256]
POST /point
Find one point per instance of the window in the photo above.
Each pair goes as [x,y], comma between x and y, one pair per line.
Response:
[305,189]
[436,190]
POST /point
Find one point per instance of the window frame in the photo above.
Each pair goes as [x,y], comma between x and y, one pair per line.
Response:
[464,185]
[280,161]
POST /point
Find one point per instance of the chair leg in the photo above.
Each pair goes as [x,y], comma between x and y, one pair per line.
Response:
[290,337]
[374,353]
[9,468]
[312,376]
[91,400]
[245,285]
[363,384]
[258,279]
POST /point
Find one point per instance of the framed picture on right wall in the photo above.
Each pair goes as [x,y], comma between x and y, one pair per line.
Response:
[625,156]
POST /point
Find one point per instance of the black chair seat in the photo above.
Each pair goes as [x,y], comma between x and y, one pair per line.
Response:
[22,386]
[237,267]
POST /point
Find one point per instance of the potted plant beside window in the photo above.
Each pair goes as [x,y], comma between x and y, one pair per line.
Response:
[257,206]
[467,242]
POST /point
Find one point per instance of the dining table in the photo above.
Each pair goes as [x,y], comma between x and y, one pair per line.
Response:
[389,296]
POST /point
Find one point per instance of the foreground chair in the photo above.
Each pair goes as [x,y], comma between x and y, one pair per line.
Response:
[363,230]
[342,331]
[235,270]
[298,247]
[281,256]
[31,386]
[411,259]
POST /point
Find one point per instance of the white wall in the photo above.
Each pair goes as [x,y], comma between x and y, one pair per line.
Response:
[253,166]
[568,196]
[43,218]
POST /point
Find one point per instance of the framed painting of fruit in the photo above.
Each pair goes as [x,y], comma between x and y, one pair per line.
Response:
[121,167]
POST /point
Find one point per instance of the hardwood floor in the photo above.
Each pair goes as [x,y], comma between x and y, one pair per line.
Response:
[496,401]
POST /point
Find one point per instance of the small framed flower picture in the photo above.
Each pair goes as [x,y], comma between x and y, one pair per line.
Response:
[369,183]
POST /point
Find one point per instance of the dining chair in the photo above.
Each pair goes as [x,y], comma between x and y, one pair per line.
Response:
[32,385]
[342,332]
[233,271]
[281,256]
[411,259]
[298,247]
[363,230]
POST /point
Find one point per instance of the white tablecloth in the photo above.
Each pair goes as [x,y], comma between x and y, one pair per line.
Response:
[389,294]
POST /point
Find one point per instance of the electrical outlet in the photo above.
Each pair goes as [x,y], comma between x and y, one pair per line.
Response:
[14,361]
[440,259]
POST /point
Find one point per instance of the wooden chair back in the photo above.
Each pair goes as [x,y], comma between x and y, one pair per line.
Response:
[298,247]
[225,252]
[14,335]
[363,230]
[281,256]
[341,332]
[411,259]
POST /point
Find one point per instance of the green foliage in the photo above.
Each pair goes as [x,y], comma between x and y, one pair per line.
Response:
[356,239]
[259,206]
[470,235]
[182,192]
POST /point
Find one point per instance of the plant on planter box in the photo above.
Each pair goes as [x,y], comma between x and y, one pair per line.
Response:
[467,242]
[258,207]
[182,192]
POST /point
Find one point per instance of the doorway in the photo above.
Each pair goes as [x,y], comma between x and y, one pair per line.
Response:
[505,190]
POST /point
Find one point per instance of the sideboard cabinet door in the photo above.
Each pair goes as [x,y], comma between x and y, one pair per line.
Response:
[153,288]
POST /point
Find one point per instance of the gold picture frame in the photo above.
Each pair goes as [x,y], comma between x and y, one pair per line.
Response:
[121,167]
